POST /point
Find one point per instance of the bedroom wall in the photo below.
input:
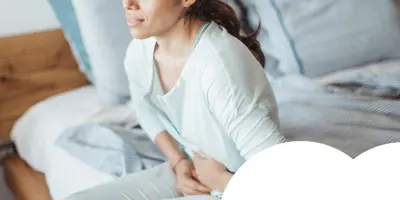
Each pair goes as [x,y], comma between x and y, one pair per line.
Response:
[23,16]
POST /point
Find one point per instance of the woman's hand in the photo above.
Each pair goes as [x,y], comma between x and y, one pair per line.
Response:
[210,172]
[186,181]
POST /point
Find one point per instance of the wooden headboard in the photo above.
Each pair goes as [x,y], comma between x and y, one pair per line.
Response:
[33,67]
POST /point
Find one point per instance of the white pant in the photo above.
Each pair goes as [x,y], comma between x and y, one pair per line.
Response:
[158,183]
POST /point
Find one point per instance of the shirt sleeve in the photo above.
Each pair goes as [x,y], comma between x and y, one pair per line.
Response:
[243,103]
[146,114]
[148,119]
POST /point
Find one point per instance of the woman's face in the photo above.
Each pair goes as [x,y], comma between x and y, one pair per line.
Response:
[148,18]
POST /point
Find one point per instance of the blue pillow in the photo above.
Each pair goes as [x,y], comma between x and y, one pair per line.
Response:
[315,38]
[98,35]
[66,16]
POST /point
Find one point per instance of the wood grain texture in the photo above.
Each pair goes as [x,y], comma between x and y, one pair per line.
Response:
[24,182]
[33,67]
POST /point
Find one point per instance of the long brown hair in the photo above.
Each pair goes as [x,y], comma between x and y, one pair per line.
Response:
[225,16]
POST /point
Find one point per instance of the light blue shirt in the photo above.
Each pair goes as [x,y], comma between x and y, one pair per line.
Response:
[222,103]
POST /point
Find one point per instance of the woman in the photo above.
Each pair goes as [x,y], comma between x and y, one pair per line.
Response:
[200,92]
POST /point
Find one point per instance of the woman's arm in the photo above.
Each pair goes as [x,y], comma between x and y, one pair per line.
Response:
[224,179]
[244,105]
[240,98]
[145,112]
[169,147]
[149,121]
[137,78]
[182,167]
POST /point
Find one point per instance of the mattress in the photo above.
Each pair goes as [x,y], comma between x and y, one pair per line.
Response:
[35,132]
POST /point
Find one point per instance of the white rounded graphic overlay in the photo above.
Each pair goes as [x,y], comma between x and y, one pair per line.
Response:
[294,171]
[379,172]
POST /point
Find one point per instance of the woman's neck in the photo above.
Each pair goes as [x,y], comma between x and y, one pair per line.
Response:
[180,38]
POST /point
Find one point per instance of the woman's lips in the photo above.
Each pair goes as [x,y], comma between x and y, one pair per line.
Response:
[134,22]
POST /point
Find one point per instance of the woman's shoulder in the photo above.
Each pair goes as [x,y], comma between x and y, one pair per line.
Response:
[139,44]
[227,49]
[225,52]
[138,52]
[229,62]
[137,59]
[139,49]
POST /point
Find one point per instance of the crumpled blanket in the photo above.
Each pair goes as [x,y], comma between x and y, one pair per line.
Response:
[111,149]
[378,80]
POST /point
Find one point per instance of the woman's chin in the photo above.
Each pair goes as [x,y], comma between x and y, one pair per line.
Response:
[138,34]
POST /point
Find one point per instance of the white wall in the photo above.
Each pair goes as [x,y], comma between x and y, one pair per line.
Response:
[22,16]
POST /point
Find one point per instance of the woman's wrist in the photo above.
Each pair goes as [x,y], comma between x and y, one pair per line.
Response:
[170,148]
[174,162]
[224,180]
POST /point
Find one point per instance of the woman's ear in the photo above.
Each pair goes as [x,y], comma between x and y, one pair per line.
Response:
[188,3]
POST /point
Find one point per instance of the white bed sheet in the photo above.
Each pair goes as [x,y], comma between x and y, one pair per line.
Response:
[36,131]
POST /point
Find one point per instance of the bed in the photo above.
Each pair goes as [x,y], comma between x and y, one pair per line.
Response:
[352,110]
[329,124]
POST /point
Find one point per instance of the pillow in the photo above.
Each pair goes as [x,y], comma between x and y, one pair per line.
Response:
[314,37]
[106,37]
[99,36]
[35,132]
[65,13]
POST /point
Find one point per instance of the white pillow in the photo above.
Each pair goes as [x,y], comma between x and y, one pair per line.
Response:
[315,37]
[38,128]
[106,37]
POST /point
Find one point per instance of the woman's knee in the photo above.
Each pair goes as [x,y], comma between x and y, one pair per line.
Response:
[198,197]
[75,197]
